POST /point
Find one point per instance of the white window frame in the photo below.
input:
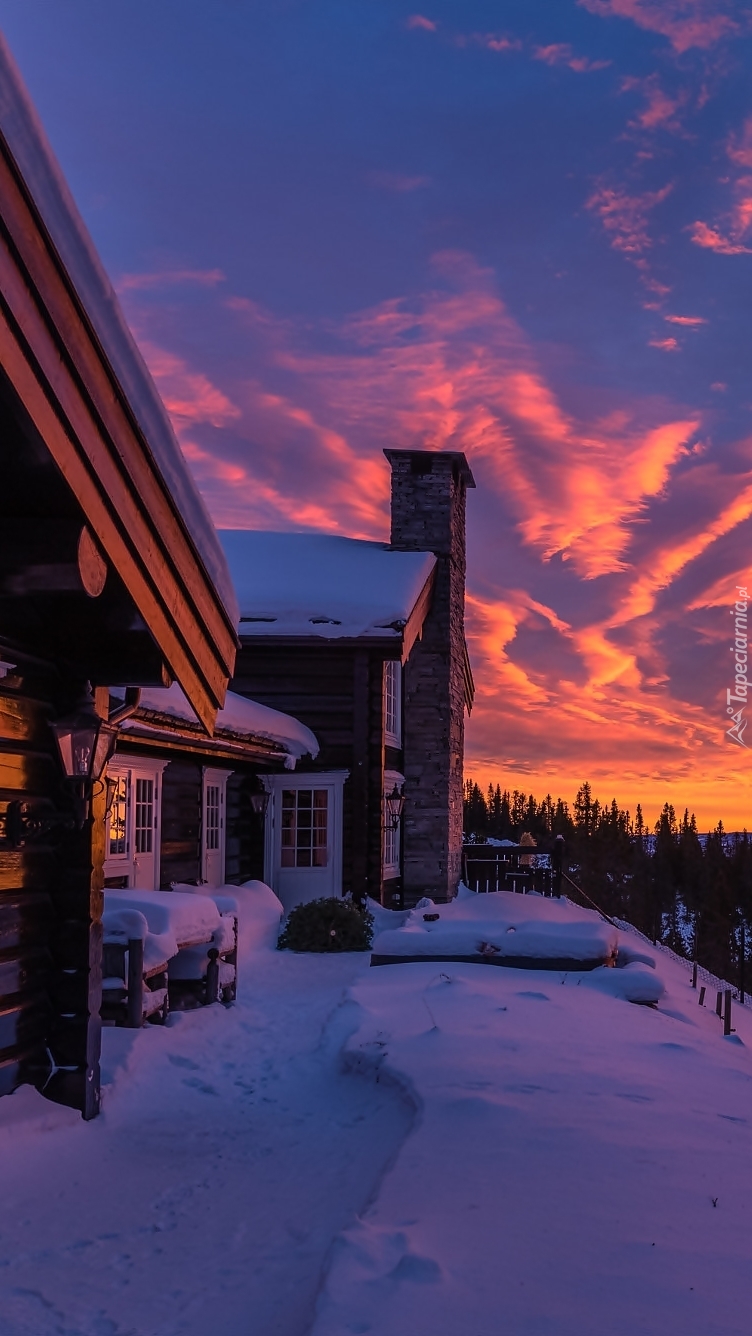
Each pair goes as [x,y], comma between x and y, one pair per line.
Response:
[392,839]
[126,864]
[214,858]
[393,687]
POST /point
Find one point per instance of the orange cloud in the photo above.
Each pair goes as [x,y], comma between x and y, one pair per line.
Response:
[686,23]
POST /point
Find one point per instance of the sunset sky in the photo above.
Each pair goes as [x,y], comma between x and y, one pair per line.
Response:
[522,229]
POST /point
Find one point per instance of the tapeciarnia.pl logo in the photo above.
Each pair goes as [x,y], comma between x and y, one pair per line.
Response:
[737,699]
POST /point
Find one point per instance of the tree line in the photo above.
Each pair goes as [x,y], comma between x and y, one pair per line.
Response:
[690,891]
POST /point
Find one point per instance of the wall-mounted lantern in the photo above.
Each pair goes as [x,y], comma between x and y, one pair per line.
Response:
[393,805]
[259,803]
[85,742]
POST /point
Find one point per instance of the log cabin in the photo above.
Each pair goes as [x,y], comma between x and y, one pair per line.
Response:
[364,642]
[187,808]
[110,573]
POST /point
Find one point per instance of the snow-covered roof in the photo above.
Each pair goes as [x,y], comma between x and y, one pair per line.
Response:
[27,141]
[306,584]
[242,718]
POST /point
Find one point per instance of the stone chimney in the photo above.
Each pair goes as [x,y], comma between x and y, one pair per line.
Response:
[428,514]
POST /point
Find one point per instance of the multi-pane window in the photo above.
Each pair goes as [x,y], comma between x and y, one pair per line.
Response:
[144,822]
[212,816]
[118,841]
[393,702]
[391,846]
[305,820]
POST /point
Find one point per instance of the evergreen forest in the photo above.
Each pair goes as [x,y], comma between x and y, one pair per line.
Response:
[691,891]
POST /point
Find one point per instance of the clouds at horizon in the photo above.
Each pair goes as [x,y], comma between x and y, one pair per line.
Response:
[531,245]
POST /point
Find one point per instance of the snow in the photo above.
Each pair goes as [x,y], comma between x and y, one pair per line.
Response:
[172,918]
[306,584]
[240,717]
[501,924]
[28,143]
[258,911]
[414,1148]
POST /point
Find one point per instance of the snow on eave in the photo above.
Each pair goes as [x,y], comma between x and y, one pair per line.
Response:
[29,147]
[240,720]
[323,585]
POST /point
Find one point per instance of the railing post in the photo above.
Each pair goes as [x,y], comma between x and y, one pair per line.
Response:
[135,983]
[701,998]
[694,975]
[212,977]
[718,1004]
[727,1012]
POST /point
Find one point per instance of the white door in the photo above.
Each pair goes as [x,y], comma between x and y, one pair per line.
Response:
[304,836]
[132,836]
[213,826]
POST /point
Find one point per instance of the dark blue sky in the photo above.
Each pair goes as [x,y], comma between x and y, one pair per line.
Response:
[519,229]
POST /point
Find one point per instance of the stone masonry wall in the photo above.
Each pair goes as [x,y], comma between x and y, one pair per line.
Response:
[428,514]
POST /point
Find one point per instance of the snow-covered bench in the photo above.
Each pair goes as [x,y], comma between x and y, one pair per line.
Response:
[165,948]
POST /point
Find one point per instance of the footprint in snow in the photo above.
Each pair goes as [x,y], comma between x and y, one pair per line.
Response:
[541,997]
[203,1086]
[177,1061]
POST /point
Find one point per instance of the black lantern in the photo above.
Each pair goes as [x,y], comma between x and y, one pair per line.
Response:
[393,804]
[86,743]
[259,803]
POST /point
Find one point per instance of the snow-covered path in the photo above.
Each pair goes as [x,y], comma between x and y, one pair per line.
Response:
[231,1151]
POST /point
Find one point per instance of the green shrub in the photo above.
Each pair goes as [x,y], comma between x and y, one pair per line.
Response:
[327,925]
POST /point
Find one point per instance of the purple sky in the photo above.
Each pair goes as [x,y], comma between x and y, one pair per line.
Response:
[520,229]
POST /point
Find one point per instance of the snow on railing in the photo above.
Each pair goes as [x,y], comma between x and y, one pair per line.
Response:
[711,981]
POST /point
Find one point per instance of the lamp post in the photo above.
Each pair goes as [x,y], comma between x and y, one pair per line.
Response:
[259,803]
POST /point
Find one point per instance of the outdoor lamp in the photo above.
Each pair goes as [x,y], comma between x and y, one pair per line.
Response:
[85,743]
[259,803]
[393,803]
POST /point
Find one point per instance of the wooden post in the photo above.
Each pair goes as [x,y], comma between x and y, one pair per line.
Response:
[742,960]
[718,1004]
[727,1012]
[75,1031]
[701,999]
[694,975]
[135,983]
[212,977]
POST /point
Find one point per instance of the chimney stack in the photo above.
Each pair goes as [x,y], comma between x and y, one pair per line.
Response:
[428,515]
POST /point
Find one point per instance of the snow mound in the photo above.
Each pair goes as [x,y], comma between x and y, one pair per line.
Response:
[173,919]
[633,983]
[258,911]
[501,925]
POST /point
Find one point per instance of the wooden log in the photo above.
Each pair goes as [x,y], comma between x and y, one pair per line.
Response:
[135,983]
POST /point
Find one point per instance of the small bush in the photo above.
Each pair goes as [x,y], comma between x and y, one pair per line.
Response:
[327,925]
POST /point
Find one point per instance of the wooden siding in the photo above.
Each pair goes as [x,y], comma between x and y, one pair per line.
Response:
[50,912]
[244,849]
[337,690]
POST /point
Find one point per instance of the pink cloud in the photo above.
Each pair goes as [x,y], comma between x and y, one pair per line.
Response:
[692,321]
[204,278]
[686,23]
[711,239]
[561,53]
[625,217]
[398,183]
[660,108]
[420,21]
[666,345]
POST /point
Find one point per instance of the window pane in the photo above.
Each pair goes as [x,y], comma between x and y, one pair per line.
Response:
[118,817]
[144,824]
[211,816]
[305,816]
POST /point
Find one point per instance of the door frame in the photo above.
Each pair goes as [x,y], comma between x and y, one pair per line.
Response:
[118,865]
[334,781]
